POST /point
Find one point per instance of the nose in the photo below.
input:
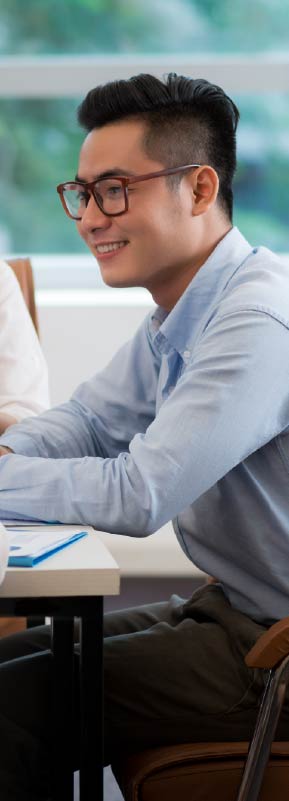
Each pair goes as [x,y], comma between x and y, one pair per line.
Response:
[93,218]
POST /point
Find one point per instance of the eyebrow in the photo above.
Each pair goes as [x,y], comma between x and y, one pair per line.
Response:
[107,174]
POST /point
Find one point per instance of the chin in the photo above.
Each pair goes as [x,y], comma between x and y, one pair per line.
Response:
[120,284]
[118,281]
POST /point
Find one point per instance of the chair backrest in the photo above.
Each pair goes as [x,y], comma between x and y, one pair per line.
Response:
[23,271]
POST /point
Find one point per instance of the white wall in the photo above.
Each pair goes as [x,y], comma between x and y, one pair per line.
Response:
[79,334]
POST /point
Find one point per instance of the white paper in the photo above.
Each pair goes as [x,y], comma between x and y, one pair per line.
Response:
[30,542]
[23,523]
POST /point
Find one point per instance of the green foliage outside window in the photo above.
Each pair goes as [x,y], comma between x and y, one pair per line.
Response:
[142,26]
[40,139]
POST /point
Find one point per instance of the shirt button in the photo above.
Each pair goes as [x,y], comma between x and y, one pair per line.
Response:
[186,354]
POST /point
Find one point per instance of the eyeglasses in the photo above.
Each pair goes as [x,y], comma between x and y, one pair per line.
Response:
[110,194]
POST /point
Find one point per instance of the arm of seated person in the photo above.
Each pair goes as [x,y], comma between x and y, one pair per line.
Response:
[6,420]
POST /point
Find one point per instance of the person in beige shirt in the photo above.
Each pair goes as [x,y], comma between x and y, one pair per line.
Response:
[23,371]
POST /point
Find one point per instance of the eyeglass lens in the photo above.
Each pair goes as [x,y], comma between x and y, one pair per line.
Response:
[108,194]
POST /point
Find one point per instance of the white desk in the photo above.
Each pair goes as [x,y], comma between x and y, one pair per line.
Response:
[71,584]
[86,566]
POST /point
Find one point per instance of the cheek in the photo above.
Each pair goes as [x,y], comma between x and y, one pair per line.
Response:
[154,225]
[79,230]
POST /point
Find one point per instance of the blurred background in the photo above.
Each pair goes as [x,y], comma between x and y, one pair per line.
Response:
[53,51]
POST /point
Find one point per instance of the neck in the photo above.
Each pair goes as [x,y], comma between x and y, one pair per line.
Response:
[169,291]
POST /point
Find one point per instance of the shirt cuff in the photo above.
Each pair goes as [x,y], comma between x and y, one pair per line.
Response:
[22,444]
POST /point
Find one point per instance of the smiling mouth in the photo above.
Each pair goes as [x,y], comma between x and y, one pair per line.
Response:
[109,247]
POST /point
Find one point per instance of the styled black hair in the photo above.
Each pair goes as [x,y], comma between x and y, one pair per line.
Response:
[187,121]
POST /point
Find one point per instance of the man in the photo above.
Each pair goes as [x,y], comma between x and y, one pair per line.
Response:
[189,422]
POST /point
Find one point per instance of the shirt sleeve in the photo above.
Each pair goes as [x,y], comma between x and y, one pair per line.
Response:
[23,371]
[230,400]
[104,413]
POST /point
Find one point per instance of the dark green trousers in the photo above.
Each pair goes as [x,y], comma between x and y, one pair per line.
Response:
[174,672]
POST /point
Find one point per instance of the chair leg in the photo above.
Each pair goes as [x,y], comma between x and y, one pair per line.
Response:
[259,750]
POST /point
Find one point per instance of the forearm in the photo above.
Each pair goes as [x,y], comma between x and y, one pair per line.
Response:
[104,413]
[105,493]
[64,432]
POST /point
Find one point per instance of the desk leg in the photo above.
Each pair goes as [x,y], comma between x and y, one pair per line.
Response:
[63,746]
[91,705]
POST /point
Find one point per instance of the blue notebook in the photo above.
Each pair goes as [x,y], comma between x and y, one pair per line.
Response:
[28,546]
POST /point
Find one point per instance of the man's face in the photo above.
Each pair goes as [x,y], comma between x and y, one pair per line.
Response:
[154,235]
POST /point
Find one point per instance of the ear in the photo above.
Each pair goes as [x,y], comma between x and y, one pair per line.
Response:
[205,186]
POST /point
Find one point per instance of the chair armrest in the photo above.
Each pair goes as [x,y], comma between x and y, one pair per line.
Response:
[271,647]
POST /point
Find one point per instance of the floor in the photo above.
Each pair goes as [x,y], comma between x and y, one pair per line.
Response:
[111,789]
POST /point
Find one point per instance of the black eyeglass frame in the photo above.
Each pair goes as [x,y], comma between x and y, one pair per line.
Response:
[123,179]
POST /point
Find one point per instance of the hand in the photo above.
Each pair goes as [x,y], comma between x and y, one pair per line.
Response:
[6,420]
[4,451]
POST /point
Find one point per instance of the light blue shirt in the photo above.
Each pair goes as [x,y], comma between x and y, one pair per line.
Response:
[190,422]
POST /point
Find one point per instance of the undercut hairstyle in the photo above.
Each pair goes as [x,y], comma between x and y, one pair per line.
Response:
[186,120]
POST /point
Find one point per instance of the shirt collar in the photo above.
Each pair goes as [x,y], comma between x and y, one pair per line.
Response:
[178,328]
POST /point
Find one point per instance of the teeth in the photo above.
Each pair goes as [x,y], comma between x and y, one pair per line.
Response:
[109,247]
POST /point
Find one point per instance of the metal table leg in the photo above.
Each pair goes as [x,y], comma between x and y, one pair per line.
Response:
[91,704]
[63,698]
[62,612]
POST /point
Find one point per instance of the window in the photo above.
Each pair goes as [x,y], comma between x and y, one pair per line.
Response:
[56,50]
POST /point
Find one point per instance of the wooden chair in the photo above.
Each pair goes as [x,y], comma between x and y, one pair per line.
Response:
[23,271]
[223,771]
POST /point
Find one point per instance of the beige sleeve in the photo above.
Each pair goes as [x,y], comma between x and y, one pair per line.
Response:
[23,371]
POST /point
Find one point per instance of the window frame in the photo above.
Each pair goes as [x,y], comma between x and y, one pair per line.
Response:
[67,76]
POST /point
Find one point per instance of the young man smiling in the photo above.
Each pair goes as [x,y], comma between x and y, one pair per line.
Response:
[163,238]
[188,422]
